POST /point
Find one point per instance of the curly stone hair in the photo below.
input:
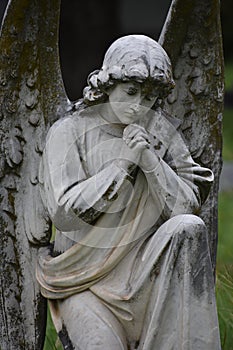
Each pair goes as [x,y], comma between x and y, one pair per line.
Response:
[132,57]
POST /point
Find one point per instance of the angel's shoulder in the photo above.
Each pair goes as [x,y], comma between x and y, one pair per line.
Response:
[67,125]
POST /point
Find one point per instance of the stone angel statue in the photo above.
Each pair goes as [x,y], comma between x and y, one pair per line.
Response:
[128,176]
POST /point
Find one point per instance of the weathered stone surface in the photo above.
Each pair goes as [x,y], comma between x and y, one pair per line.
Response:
[197,58]
[130,262]
[32,97]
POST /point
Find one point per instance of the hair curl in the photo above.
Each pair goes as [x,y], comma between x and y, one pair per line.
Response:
[131,58]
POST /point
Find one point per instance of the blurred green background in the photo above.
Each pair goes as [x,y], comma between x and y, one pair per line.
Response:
[224,282]
[224,285]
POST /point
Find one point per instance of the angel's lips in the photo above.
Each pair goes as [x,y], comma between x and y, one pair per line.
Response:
[132,113]
[137,109]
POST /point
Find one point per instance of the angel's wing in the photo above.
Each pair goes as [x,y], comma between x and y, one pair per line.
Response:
[32,97]
[192,37]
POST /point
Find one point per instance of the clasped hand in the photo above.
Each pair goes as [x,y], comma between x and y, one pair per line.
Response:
[138,141]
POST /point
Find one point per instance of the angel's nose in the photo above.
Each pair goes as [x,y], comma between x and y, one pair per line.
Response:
[135,107]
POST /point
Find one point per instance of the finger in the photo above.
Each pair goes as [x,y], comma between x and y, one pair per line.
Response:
[133,127]
[138,144]
[136,133]
[137,138]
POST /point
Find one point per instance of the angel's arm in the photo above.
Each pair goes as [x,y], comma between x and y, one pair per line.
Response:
[177,182]
[69,193]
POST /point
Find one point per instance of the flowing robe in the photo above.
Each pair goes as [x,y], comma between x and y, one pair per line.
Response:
[128,238]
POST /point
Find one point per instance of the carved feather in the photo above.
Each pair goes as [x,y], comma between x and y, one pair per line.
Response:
[192,37]
[32,97]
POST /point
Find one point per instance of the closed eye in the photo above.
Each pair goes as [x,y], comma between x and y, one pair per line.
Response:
[150,97]
[132,91]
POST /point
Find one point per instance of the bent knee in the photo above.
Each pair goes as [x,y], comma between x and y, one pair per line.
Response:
[188,223]
[189,220]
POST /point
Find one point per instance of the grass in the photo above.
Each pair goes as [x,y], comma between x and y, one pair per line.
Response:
[224,288]
[52,341]
[224,281]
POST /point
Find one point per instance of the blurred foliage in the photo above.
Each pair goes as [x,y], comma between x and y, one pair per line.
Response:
[224,282]
[229,76]
[224,289]
[225,244]
[228,134]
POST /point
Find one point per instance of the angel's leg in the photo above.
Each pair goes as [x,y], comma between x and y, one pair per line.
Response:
[182,311]
[88,324]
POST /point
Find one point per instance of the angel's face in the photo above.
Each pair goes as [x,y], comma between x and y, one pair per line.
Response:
[130,101]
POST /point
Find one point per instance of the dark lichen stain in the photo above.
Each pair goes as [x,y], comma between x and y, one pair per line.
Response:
[158,146]
[65,340]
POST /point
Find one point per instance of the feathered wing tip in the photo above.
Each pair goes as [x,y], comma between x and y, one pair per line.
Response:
[192,38]
[32,97]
